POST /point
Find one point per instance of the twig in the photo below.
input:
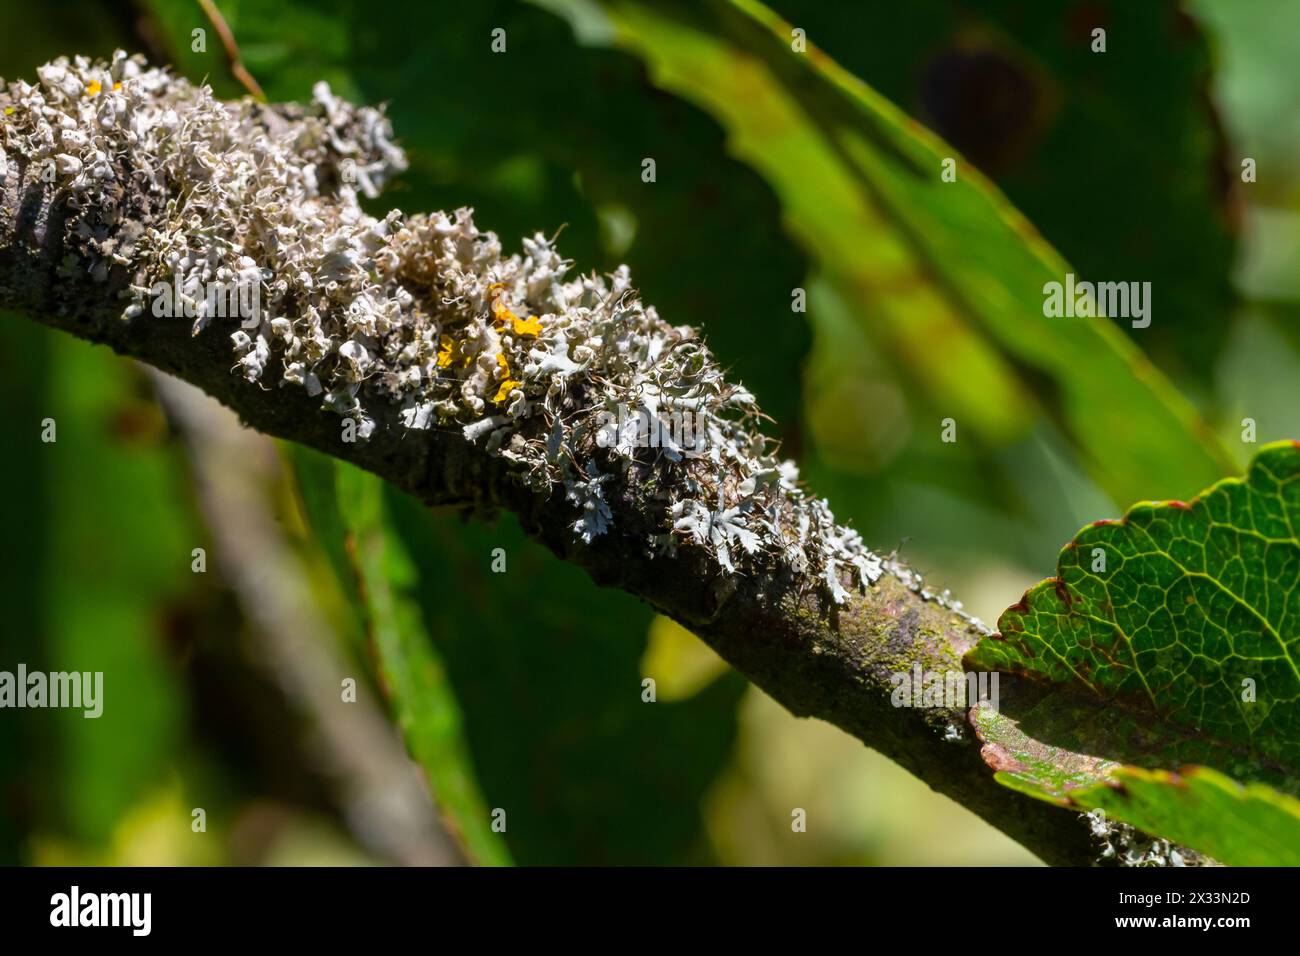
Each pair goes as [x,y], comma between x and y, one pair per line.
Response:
[237,67]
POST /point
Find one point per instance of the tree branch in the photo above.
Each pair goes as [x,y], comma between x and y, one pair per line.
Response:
[722,540]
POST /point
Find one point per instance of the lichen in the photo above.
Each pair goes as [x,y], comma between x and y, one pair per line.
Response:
[423,313]
[1119,844]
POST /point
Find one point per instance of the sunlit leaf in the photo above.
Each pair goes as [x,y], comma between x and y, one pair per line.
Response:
[1168,638]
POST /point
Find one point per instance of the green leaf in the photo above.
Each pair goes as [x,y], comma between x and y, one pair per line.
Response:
[1251,825]
[1167,638]
[340,499]
[947,276]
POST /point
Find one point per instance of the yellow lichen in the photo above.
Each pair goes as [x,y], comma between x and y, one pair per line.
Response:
[500,312]
[507,383]
[446,350]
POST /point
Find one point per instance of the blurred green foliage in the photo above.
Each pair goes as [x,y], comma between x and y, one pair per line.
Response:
[532,699]
[1117,158]
[545,671]
[97,570]
[945,275]
[348,505]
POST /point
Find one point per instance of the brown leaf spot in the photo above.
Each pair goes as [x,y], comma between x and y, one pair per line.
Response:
[989,103]
[1000,759]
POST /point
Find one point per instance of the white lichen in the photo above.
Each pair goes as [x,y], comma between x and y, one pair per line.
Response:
[422,314]
[1121,845]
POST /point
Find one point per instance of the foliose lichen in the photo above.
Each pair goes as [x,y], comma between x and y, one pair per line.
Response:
[423,312]
[1119,844]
